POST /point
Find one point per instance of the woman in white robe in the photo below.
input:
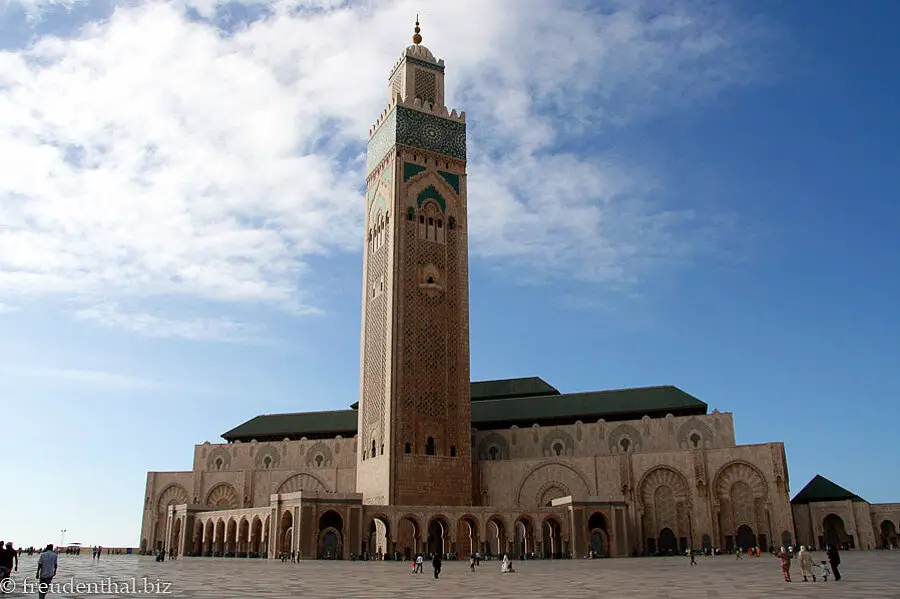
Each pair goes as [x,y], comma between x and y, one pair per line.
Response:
[506,565]
[806,564]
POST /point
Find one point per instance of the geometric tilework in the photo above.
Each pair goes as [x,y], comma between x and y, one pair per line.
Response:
[430,193]
[416,129]
[452,179]
[381,141]
[410,170]
[429,132]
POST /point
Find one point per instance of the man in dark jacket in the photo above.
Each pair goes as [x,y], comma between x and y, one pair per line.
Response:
[834,559]
[436,564]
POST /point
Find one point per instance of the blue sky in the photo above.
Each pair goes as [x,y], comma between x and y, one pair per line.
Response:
[660,193]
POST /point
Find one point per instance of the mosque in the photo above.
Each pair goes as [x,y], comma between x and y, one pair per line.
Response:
[428,461]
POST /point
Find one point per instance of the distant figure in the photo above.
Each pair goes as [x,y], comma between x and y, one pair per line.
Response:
[420,564]
[785,557]
[46,570]
[99,551]
[834,558]
[806,564]
[506,565]
[824,567]
[436,564]
[692,555]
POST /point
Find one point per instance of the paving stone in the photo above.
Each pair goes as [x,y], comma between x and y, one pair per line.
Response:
[866,575]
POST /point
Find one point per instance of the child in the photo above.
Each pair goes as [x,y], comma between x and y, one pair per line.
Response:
[824,567]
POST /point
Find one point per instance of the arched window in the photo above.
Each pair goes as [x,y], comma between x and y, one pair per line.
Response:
[453,451]
[373,448]
[557,448]
[267,462]
[219,463]
[493,452]
[696,439]
[407,449]
[429,446]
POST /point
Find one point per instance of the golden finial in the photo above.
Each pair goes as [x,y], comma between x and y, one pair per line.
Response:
[417,39]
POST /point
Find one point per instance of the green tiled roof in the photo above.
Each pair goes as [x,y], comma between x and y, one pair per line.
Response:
[300,424]
[618,404]
[822,489]
[496,404]
[507,388]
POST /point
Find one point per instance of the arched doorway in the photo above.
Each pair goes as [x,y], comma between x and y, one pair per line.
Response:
[745,537]
[496,541]
[599,535]
[243,544]
[379,538]
[706,542]
[231,538]
[408,535]
[219,539]
[552,538]
[524,538]
[467,536]
[285,533]
[667,542]
[331,535]
[197,542]
[175,541]
[888,535]
[438,541]
[256,536]
[835,532]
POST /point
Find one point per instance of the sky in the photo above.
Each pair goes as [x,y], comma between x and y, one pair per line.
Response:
[697,194]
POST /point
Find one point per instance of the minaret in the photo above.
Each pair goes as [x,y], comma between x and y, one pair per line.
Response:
[414,414]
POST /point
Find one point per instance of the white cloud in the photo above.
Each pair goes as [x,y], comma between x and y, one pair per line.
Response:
[153,156]
[96,378]
[151,325]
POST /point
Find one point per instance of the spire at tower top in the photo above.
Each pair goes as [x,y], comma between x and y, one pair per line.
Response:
[417,38]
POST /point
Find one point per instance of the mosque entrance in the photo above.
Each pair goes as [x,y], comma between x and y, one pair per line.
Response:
[745,537]
[836,533]
[888,535]
[668,544]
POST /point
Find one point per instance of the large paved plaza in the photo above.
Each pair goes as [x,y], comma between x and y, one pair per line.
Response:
[869,574]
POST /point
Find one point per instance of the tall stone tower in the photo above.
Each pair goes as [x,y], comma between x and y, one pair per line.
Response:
[414,418]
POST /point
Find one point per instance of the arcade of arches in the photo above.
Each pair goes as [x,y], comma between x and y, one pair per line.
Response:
[533,472]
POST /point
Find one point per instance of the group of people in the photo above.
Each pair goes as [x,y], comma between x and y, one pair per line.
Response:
[418,564]
[807,567]
[46,566]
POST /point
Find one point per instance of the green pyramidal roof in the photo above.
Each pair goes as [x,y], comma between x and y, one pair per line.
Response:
[495,404]
[822,489]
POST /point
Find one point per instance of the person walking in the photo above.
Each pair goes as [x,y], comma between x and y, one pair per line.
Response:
[47,565]
[785,563]
[436,564]
[806,564]
[9,560]
[834,559]
[693,556]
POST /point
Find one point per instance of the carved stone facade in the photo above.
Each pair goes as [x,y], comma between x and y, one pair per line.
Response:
[826,514]
[413,475]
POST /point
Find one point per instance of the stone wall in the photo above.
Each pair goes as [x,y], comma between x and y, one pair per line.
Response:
[709,431]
